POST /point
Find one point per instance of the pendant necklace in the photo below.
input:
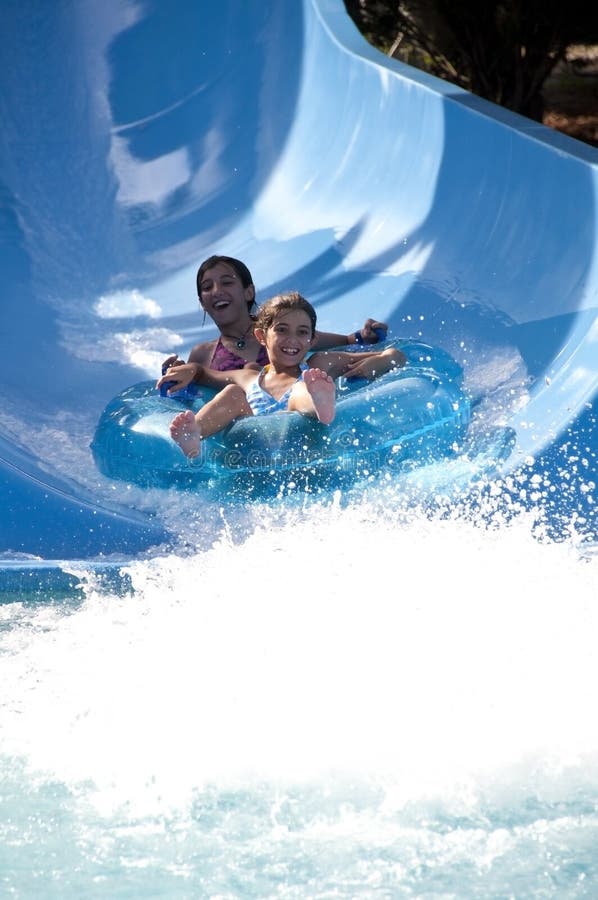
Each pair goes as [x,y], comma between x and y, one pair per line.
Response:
[240,342]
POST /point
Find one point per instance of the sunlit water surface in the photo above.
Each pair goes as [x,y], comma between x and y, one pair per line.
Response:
[343,702]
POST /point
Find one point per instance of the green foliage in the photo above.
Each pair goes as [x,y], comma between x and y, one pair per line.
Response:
[503,51]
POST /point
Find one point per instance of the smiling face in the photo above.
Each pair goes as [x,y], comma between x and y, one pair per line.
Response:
[224,298]
[288,338]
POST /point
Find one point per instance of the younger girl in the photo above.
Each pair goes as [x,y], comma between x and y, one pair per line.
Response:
[285,326]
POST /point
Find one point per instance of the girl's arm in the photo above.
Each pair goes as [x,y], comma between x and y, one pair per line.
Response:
[201,353]
[367,334]
[188,372]
[358,365]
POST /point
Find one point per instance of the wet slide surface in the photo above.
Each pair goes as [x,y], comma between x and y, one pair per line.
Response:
[136,142]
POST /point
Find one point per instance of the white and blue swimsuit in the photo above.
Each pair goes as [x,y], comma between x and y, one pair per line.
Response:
[261,402]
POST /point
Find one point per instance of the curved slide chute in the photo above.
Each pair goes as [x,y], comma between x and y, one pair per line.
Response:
[139,138]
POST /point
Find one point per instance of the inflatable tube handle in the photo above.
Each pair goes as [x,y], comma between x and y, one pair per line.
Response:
[379,332]
[186,393]
[164,388]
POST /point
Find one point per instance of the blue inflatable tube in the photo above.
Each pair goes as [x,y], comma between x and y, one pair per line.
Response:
[412,415]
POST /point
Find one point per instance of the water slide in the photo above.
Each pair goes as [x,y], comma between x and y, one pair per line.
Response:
[138,138]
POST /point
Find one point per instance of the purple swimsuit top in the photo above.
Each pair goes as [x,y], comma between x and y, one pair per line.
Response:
[224,360]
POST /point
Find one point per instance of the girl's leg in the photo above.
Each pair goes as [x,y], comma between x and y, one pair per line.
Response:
[315,396]
[188,430]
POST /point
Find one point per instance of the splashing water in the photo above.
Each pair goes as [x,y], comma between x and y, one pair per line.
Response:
[338,702]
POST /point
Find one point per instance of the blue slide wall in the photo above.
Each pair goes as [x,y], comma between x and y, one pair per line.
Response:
[138,138]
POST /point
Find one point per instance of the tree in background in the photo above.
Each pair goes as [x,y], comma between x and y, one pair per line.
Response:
[503,51]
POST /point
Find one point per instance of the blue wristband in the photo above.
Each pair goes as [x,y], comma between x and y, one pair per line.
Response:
[358,338]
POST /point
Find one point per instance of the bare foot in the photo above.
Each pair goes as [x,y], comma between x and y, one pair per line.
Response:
[322,391]
[186,432]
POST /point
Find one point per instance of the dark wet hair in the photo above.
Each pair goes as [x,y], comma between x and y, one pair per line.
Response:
[238,267]
[272,308]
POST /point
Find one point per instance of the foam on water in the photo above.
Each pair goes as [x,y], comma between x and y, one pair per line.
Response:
[356,700]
